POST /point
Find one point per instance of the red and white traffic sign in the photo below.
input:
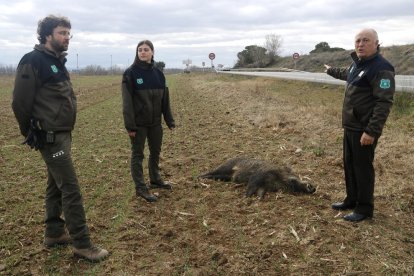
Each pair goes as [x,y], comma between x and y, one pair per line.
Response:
[295,56]
[211,56]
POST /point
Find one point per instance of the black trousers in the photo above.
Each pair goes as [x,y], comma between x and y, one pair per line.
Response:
[154,136]
[63,193]
[359,172]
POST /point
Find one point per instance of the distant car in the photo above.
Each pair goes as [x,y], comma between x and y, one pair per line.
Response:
[226,69]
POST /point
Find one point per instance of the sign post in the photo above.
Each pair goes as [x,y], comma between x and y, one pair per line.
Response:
[295,57]
[212,56]
[187,63]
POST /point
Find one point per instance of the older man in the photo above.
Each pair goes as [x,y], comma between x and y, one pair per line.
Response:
[368,99]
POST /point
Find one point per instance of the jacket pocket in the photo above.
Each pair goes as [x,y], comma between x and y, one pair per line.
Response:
[361,116]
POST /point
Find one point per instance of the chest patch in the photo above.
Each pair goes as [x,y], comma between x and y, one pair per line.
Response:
[140,81]
[54,68]
[385,83]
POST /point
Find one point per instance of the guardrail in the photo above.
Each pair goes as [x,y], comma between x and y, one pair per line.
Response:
[403,83]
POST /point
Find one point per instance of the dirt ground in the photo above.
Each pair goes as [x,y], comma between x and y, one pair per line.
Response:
[205,227]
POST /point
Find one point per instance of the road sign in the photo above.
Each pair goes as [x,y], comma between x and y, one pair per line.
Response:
[211,56]
[295,56]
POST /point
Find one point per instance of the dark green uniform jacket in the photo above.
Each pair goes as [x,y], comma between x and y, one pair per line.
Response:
[145,97]
[369,93]
[43,91]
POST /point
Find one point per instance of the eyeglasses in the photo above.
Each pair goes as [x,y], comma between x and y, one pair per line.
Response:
[65,34]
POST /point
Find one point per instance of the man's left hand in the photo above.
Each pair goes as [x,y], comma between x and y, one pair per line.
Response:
[366,139]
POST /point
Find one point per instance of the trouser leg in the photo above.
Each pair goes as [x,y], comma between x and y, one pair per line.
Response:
[364,174]
[62,172]
[55,225]
[350,181]
[360,173]
[137,157]
[154,143]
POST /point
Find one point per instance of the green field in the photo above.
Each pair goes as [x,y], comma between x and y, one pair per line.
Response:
[203,227]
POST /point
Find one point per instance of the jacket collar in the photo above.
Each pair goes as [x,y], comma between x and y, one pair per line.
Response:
[358,61]
[144,65]
[42,48]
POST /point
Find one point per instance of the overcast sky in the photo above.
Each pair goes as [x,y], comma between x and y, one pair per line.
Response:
[108,31]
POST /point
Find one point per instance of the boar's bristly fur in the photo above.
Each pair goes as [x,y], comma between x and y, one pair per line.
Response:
[260,176]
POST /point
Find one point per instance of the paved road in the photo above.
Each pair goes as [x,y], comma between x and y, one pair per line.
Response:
[403,83]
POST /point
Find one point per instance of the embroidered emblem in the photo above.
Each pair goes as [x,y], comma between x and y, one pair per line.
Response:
[54,68]
[140,81]
[59,153]
[361,73]
[385,83]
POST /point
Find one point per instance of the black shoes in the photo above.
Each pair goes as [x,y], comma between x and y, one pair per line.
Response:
[145,194]
[162,185]
[343,206]
[355,217]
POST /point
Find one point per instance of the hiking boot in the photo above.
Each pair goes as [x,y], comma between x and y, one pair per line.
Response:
[145,194]
[64,239]
[92,253]
[162,185]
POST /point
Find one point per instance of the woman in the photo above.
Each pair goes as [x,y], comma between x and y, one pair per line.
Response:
[145,97]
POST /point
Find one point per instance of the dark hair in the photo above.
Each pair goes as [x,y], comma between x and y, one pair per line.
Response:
[146,42]
[46,26]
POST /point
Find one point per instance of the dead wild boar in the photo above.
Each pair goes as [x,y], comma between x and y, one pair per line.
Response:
[260,176]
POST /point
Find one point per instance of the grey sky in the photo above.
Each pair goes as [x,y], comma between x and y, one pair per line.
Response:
[191,29]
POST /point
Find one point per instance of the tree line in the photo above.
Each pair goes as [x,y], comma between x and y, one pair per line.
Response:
[254,56]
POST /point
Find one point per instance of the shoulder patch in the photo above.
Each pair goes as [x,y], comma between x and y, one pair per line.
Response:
[140,81]
[385,83]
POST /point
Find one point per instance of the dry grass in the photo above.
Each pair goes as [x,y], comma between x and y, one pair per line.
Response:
[206,227]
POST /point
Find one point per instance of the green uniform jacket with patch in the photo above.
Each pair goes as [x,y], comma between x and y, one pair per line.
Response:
[43,91]
[369,93]
[145,97]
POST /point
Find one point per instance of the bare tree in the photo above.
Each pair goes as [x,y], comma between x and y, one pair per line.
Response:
[273,45]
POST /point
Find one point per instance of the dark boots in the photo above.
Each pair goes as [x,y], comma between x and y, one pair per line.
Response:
[145,194]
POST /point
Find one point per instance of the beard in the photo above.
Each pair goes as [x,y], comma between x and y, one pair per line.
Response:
[59,47]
